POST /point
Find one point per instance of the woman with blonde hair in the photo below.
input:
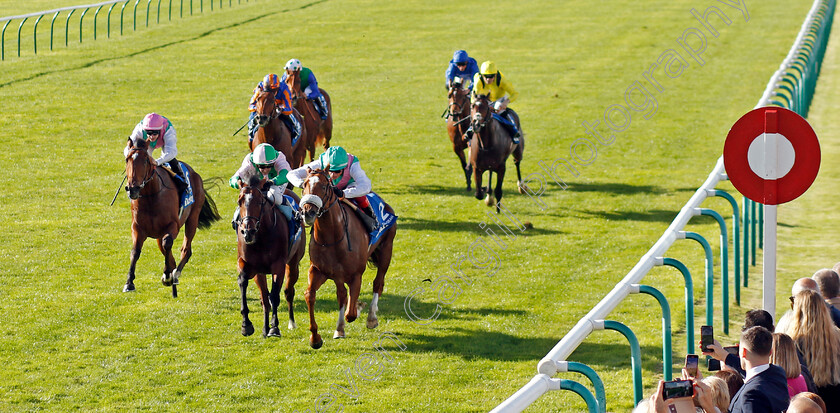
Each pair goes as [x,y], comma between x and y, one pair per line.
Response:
[784,356]
[720,392]
[813,331]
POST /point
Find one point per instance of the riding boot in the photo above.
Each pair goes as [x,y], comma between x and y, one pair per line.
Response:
[235,221]
[293,125]
[514,131]
[321,105]
[368,218]
[468,135]
[180,181]
[252,126]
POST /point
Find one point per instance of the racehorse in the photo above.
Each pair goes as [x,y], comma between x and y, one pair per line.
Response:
[318,131]
[272,130]
[338,250]
[154,212]
[457,117]
[263,248]
[490,147]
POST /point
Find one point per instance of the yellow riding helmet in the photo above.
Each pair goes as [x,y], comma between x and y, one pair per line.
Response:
[488,68]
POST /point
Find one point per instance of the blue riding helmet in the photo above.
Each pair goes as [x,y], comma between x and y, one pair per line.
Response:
[460,56]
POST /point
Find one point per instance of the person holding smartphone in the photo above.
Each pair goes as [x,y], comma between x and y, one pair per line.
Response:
[765,386]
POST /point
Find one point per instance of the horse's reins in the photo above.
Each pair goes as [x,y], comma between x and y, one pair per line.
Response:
[257,218]
[151,174]
[323,210]
[477,127]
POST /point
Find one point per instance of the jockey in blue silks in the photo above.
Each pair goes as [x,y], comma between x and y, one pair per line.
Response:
[309,85]
[461,66]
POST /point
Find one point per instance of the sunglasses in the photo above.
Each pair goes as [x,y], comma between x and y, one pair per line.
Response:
[153,132]
[489,76]
[264,166]
[460,63]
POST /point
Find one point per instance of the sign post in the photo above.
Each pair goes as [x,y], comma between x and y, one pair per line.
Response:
[771,156]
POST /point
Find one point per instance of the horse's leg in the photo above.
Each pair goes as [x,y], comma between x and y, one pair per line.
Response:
[460,153]
[165,245]
[517,158]
[247,327]
[386,248]
[274,300]
[316,279]
[341,295]
[262,287]
[353,306]
[136,247]
[488,200]
[190,227]
[292,274]
[500,178]
[479,190]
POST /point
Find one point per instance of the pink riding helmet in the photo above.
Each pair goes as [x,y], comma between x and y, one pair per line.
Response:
[153,121]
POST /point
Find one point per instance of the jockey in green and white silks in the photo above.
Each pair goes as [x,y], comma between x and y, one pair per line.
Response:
[269,164]
[347,176]
[158,132]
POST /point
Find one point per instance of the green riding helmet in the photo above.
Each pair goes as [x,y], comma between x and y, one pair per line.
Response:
[334,159]
[264,155]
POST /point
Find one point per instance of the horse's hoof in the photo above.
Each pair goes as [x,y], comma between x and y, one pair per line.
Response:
[372,323]
[520,187]
[315,341]
[339,334]
[292,325]
[128,287]
[247,330]
[274,332]
[489,200]
[166,279]
[175,276]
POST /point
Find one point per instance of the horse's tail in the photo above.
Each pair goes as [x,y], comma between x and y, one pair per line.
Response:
[209,214]
[373,259]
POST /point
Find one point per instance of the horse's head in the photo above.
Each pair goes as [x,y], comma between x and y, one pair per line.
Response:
[481,112]
[458,93]
[139,168]
[317,192]
[293,82]
[252,202]
[265,107]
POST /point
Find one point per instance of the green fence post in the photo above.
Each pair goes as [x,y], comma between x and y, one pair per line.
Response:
[689,299]
[121,16]
[109,19]
[148,5]
[52,26]
[582,391]
[709,272]
[19,28]
[95,16]
[191,7]
[666,325]
[158,12]
[635,353]
[761,226]
[3,41]
[746,229]
[753,223]
[35,34]
[597,383]
[81,20]
[736,265]
[135,14]
[724,259]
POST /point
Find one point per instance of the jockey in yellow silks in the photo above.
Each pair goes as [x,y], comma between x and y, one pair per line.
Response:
[490,81]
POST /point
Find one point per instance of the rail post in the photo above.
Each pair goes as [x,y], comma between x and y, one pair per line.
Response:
[724,259]
[666,325]
[689,298]
[709,272]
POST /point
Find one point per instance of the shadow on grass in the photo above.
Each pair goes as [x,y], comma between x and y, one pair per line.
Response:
[152,49]
[432,189]
[655,215]
[421,224]
[616,188]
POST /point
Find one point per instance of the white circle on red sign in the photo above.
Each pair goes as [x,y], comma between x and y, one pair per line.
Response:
[785,153]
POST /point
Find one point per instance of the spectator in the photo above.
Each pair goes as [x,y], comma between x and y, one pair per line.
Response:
[828,283]
[784,356]
[720,392]
[819,340]
[801,284]
[765,387]
[803,405]
[733,380]
[817,399]
[757,317]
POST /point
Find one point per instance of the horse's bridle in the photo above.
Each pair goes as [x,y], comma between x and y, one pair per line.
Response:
[275,113]
[479,121]
[458,107]
[243,221]
[318,202]
[150,174]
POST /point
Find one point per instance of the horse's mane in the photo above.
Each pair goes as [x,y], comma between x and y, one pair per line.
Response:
[141,144]
[254,181]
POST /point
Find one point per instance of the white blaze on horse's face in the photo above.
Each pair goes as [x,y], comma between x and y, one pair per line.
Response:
[134,157]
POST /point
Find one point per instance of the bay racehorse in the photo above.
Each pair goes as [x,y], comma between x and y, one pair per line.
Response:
[339,251]
[457,122]
[318,131]
[154,212]
[490,147]
[272,130]
[262,241]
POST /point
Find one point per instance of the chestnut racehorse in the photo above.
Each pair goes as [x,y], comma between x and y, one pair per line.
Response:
[339,250]
[318,131]
[490,147]
[154,212]
[272,130]
[263,247]
[457,122]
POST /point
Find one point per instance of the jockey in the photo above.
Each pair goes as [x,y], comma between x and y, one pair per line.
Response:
[283,101]
[309,85]
[159,133]
[265,163]
[347,176]
[461,66]
[489,81]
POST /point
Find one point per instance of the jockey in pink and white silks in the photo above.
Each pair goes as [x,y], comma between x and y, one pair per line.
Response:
[269,164]
[158,132]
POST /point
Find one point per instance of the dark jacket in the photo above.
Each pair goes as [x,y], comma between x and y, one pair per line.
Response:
[765,393]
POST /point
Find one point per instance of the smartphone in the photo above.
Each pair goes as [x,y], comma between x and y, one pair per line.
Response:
[733,349]
[707,337]
[677,388]
[691,364]
[712,364]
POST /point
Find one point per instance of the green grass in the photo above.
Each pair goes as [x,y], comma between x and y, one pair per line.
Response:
[73,341]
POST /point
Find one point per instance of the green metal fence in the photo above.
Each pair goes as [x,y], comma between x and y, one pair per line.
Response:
[194,6]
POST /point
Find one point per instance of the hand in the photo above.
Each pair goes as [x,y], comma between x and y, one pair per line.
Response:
[685,375]
[338,193]
[715,350]
[703,396]
[657,400]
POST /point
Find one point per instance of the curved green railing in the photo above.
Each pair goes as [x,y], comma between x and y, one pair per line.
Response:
[98,6]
